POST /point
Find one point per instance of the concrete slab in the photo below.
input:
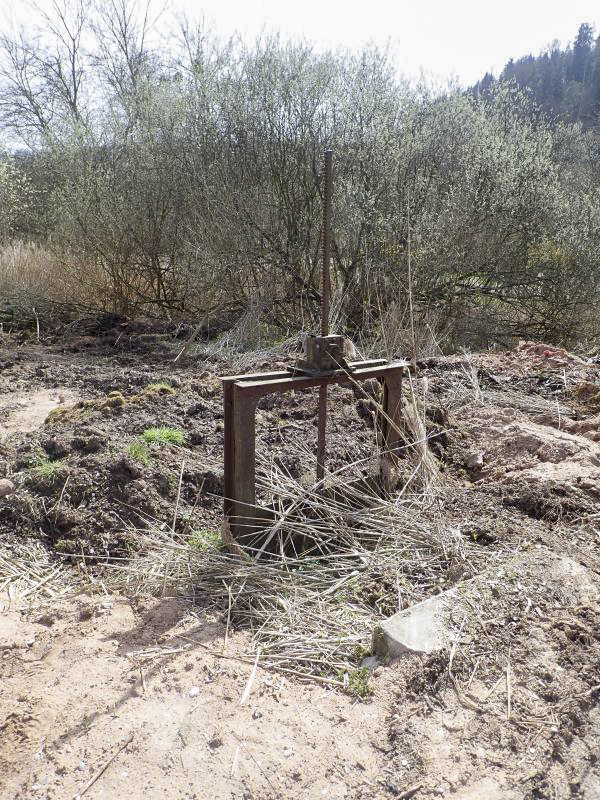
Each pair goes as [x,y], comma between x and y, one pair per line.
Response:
[422,628]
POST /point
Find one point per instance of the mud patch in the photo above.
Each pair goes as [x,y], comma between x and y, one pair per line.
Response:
[86,478]
[23,412]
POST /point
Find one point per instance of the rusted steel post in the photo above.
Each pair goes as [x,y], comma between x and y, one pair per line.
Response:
[229,487]
[392,410]
[321,432]
[244,461]
[239,470]
[322,418]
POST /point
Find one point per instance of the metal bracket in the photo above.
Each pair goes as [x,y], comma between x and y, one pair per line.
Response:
[241,394]
[321,354]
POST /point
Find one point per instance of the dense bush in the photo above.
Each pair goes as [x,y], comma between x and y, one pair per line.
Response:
[186,179]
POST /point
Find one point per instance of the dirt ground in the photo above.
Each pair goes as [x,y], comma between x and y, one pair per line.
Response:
[105,695]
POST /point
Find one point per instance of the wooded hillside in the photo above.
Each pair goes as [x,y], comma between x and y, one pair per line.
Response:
[565,83]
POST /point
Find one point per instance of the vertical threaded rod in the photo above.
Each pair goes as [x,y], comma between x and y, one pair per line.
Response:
[322,418]
[327,192]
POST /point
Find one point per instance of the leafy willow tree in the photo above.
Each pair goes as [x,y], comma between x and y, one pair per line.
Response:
[185,177]
[16,196]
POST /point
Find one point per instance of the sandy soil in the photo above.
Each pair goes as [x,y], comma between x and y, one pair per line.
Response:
[162,695]
[93,672]
[24,412]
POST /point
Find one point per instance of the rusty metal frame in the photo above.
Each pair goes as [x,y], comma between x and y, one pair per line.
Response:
[241,394]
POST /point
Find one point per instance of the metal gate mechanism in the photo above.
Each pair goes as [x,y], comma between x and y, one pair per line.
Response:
[322,363]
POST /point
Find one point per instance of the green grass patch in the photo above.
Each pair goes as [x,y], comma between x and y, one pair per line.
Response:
[159,387]
[205,539]
[45,472]
[357,682]
[164,435]
[140,451]
[37,459]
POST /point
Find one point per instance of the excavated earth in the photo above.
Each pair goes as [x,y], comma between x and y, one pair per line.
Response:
[104,695]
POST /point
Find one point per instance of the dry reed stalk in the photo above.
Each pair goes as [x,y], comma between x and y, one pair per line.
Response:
[27,571]
[462,389]
[234,347]
[414,416]
[310,610]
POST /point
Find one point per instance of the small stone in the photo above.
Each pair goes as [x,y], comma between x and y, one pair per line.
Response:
[6,487]
[194,691]
[422,628]
[287,752]
[215,741]
[474,461]
[47,620]
[370,663]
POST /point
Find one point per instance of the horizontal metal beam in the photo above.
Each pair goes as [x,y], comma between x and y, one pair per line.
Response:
[275,376]
[258,387]
[255,376]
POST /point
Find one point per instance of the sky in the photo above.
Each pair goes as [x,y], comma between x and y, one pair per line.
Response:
[463,38]
[445,38]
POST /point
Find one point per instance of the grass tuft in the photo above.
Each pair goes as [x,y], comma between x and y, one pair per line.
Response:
[164,435]
[205,539]
[140,452]
[45,472]
[356,682]
[159,387]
